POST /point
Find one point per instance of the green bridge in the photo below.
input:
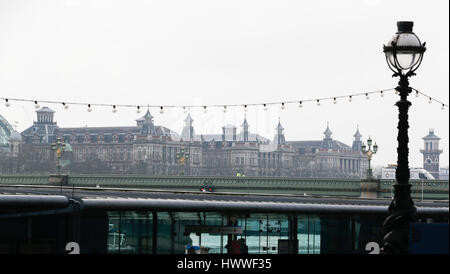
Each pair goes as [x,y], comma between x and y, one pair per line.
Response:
[426,190]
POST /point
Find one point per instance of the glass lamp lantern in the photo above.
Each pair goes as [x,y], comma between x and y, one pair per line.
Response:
[369,142]
[404,52]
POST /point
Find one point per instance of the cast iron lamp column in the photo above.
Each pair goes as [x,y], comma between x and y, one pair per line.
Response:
[369,152]
[182,156]
[404,54]
[58,147]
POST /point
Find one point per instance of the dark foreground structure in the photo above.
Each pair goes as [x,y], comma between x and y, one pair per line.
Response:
[50,219]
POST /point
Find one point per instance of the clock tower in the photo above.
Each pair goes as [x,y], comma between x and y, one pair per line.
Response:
[431,153]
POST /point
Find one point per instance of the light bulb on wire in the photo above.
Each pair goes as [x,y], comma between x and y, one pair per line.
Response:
[265,105]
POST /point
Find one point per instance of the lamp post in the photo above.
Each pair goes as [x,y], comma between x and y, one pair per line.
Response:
[369,152]
[58,147]
[182,156]
[404,53]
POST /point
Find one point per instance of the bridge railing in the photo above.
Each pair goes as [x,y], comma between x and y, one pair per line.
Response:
[281,185]
[23,179]
[434,189]
[216,182]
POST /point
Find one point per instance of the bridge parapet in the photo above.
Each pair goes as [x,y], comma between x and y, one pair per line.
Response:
[23,179]
[229,182]
[428,185]
[274,185]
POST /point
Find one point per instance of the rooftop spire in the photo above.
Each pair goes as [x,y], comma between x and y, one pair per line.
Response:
[148,115]
[245,129]
[279,136]
[431,135]
[279,126]
[188,119]
[357,135]
[188,132]
[328,132]
[245,123]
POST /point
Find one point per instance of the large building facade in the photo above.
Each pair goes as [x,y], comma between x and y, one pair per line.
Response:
[329,158]
[151,149]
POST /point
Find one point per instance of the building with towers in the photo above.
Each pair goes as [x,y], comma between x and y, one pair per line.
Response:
[145,148]
[329,157]
[151,149]
[431,153]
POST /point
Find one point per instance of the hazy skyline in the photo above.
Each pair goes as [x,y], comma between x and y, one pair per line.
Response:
[232,52]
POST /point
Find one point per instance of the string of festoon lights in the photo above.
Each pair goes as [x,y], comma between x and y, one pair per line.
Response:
[282,104]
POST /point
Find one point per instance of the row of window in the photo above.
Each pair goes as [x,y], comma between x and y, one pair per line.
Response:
[430,145]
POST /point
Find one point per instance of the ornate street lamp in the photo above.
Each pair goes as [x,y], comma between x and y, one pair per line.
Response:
[182,156]
[404,53]
[58,147]
[369,152]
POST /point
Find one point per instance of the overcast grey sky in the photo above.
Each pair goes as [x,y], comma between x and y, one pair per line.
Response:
[226,52]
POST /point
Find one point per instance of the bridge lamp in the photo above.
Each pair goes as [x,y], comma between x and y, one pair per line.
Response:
[58,147]
[404,54]
[369,153]
[182,156]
